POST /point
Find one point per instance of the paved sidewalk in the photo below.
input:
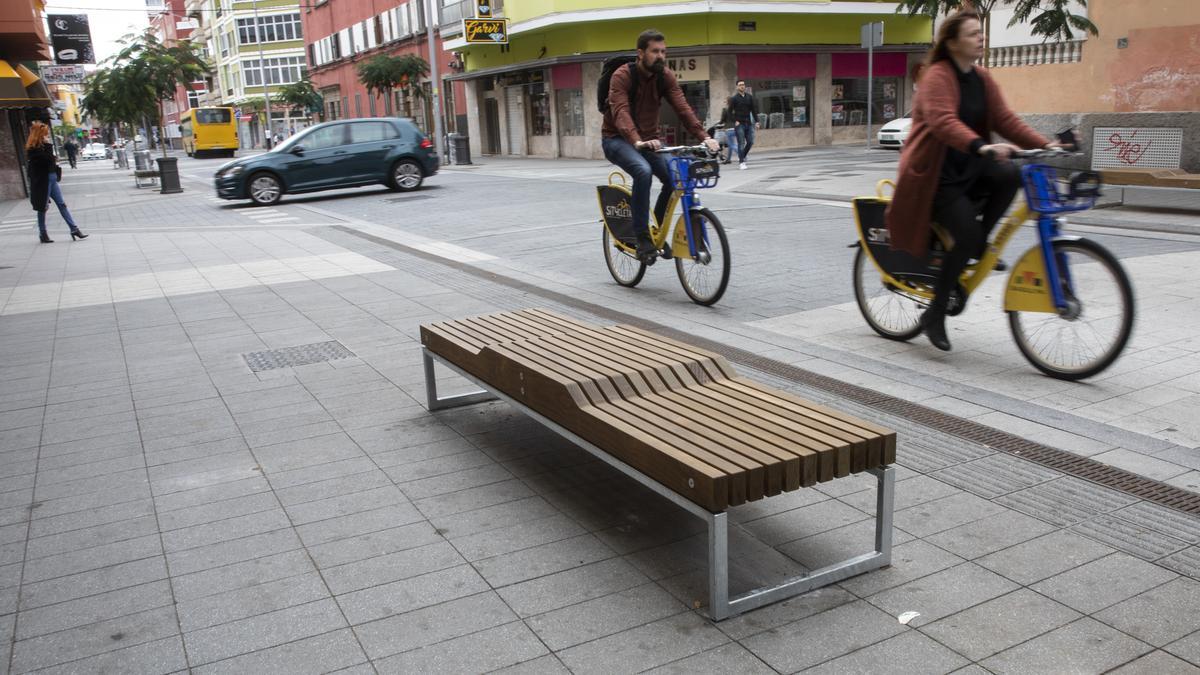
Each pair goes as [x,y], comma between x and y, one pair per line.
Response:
[165,508]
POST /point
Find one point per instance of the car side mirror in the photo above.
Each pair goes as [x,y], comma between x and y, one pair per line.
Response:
[297,150]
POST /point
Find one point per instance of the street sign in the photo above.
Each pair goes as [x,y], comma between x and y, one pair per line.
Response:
[71,37]
[62,74]
[486,31]
[871,35]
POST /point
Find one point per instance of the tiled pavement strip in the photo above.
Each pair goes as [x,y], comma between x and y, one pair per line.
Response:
[164,508]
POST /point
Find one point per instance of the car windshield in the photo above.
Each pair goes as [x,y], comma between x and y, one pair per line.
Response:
[293,140]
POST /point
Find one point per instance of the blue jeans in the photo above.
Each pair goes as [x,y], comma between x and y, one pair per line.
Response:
[731,140]
[642,166]
[745,135]
[57,197]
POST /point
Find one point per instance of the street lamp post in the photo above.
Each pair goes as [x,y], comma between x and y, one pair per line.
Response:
[431,16]
[262,73]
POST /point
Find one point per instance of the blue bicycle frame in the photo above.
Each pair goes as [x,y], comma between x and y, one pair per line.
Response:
[1044,197]
[686,185]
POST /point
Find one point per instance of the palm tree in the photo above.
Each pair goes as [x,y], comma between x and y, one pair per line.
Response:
[1052,19]
[161,68]
[300,96]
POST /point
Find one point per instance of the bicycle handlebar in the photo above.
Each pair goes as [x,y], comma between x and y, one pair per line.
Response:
[1043,152]
[680,149]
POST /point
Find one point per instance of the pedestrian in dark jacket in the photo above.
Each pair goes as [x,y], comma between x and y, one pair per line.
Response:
[744,111]
[72,151]
[44,174]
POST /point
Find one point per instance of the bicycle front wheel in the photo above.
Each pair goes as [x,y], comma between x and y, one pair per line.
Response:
[1089,335]
[624,268]
[891,314]
[704,277]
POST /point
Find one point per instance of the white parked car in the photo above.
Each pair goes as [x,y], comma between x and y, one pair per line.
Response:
[894,133]
[93,151]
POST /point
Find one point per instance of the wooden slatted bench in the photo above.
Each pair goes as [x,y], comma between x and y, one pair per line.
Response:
[676,418]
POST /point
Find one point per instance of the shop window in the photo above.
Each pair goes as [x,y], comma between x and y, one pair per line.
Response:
[570,112]
[782,104]
[850,101]
[539,106]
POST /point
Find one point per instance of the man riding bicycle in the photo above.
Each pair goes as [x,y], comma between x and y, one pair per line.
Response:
[630,130]
[947,167]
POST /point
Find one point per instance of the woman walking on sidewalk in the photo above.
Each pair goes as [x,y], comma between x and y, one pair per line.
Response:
[44,174]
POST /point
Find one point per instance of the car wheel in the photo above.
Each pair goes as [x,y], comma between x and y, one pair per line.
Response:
[264,189]
[406,175]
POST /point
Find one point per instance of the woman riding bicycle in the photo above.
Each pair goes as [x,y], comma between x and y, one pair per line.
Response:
[945,169]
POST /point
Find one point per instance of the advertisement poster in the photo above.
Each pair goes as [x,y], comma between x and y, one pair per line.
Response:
[839,112]
[800,92]
[800,114]
[837,91]
[889,111]
[889,90]
[71,38]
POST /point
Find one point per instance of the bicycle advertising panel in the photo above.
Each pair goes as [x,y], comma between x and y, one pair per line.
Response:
[616,205]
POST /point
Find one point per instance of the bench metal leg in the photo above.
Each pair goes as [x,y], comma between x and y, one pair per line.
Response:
[720,605]
[431,397]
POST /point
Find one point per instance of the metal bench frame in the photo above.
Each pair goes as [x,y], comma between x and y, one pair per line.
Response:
[721,606]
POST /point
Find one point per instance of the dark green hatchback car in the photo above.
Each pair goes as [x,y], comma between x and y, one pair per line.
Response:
[341,154]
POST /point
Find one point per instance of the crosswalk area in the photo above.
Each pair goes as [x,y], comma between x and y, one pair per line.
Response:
[266,215]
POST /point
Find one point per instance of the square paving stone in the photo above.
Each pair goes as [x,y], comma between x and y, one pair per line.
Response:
[263,631]
[320,654]
[996,625]
[159,656]
[431,625]
[402,596]
[1104,582]
[1188,648]
[1160,615]
[728,658]
[604,616]
[945,513]
[484,651]
[645,647]
[1085,646]
[944,593]
[990,534]
[804,522]
[390,567]
[910,561]
[572,586]
[537,561]
[822,637]
[1043,557]
[93,639]
[1157,663]
[909,652]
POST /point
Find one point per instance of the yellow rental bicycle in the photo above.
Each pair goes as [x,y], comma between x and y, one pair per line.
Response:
[1069,301]
[698,242]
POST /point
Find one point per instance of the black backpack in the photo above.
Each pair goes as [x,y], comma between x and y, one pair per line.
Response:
[609,67]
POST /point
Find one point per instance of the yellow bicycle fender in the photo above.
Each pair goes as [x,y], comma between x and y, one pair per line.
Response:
[1028,287]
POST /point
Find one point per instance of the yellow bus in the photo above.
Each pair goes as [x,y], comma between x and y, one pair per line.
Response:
[209,131]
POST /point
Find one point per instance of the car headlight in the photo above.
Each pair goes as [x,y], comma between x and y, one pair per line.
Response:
[233,171]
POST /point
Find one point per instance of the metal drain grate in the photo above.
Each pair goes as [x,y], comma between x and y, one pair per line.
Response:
[300,355]
[1002,441]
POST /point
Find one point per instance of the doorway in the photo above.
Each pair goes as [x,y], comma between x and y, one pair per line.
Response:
[491,124]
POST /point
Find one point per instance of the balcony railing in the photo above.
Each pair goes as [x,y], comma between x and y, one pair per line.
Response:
[1070,51]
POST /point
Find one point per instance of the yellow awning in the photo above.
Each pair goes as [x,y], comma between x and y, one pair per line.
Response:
[20,87]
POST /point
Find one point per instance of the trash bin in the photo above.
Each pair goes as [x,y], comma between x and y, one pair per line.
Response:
[460,148]
[141,160]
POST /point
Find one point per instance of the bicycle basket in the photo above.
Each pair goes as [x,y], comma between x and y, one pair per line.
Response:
[705,172]
[1052,190]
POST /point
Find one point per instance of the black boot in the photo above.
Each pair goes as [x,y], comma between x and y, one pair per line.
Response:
[933,321]
[645,249]
[45,238]
[77,234]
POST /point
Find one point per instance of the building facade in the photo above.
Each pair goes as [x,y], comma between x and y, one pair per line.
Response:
[22,95]
[801,60]
[344,33]
[170,24]
[255,45]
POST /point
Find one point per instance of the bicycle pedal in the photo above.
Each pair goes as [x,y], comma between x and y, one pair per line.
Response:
[666,252]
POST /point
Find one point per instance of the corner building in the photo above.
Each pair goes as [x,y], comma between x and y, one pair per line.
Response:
[802,61]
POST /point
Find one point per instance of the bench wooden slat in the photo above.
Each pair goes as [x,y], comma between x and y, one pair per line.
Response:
[680,414]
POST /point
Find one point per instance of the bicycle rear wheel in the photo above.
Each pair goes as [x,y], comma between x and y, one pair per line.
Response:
[1090,334]
[891,314]
[705,277]
[624,268]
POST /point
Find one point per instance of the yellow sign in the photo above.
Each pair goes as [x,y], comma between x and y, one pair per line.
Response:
[483,9]
[486,31]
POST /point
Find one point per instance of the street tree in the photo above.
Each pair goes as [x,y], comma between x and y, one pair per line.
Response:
[386,73]
[1048,19]
[300,96]
[115,95]
[161,68]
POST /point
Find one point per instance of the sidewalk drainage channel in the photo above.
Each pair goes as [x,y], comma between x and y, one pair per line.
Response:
[1068,463]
